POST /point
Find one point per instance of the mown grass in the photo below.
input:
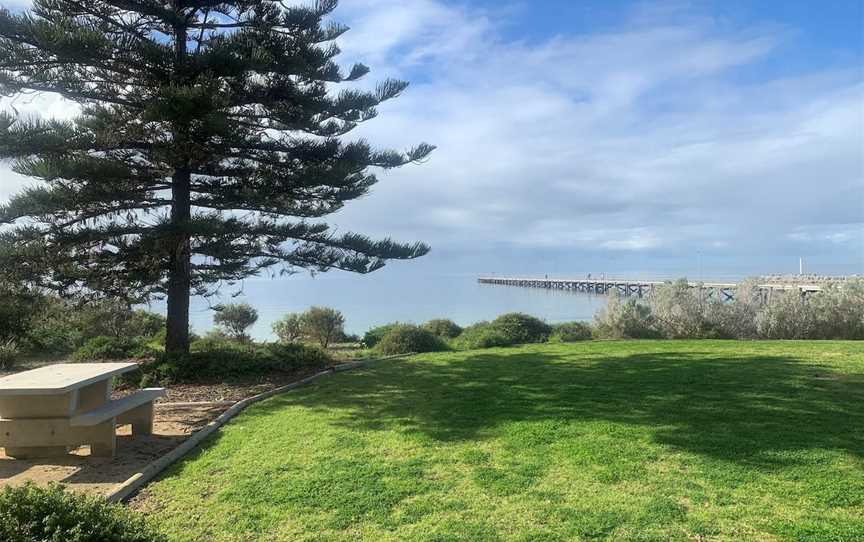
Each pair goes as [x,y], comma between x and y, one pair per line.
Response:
[637,440]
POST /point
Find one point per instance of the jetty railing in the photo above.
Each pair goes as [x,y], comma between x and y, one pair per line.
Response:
[627,287]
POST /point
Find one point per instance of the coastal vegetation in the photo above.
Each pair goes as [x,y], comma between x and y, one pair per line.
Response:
[677,311]
[53,328]
[596,440]
[408,338]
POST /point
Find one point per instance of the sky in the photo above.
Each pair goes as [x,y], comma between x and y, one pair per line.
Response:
[653,138]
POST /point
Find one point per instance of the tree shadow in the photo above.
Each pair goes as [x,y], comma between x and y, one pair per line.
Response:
[749,409]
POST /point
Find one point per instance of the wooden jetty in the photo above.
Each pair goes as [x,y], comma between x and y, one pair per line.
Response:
[626,287]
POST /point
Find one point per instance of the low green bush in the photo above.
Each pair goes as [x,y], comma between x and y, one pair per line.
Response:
[441,327]
[211,360]
[372,337]
[32,514]
[407,338]
[569,332]
[481,335]
[9,353]
[521,328]
[291,357]
[506,330]
[217,341]
[102,348]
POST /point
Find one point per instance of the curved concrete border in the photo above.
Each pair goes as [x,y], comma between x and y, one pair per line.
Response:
[148,473]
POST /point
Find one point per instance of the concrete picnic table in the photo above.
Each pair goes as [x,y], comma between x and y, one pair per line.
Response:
[50,410]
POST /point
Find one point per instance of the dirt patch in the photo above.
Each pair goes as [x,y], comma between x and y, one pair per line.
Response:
[99,476]
[232,391]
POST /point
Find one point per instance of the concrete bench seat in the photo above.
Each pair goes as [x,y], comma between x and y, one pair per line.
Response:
[118,408]
[52,410]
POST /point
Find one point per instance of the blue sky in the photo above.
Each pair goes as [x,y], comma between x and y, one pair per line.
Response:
[616,136]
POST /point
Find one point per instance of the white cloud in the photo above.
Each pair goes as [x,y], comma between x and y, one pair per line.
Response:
[631,139]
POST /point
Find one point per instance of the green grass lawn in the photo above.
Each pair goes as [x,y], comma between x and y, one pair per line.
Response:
[641,440]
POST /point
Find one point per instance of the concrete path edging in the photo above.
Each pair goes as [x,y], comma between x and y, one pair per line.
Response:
[135,482]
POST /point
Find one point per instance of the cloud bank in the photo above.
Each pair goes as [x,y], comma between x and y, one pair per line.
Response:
[650,137]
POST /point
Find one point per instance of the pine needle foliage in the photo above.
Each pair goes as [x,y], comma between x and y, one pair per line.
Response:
[210,141]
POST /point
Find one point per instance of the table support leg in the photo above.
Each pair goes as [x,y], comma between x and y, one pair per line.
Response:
[107,443]
[142,420]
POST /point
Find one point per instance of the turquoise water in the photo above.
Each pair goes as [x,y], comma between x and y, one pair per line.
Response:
[380,298]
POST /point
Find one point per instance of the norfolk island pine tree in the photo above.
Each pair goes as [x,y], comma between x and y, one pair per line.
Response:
[208,143]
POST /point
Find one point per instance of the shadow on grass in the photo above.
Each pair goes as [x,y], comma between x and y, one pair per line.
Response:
[752,410]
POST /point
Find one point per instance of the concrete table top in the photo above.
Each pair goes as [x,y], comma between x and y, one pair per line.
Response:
[60,378]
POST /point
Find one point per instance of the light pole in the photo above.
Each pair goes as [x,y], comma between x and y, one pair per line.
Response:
[699,265]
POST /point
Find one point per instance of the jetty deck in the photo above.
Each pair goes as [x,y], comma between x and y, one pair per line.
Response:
[722,290]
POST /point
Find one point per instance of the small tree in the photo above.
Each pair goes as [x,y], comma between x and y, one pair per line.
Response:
[236,319]
[322,324]
[289,329]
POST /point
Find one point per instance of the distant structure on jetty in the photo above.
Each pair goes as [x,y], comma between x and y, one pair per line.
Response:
[603,285]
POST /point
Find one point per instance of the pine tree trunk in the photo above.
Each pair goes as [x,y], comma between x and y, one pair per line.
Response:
[180,268]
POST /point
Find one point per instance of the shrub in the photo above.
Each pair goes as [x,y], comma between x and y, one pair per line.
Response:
[569,332]
[289,329]
[102,348]
[216,340]
[407,338]
[521,328]
[372,337]
[55,330]
[481,335]
[9,353]
[143,323]
[737,319]
[291,357]
[677,310]
[627,319]
[322,325]
[786,316]
[62,326]
[441,327]
[235,318]
[838,311]
[209,360]
[115,318]
[29,513]
[18,305]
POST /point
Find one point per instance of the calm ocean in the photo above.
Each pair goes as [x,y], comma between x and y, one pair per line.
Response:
[380,298]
